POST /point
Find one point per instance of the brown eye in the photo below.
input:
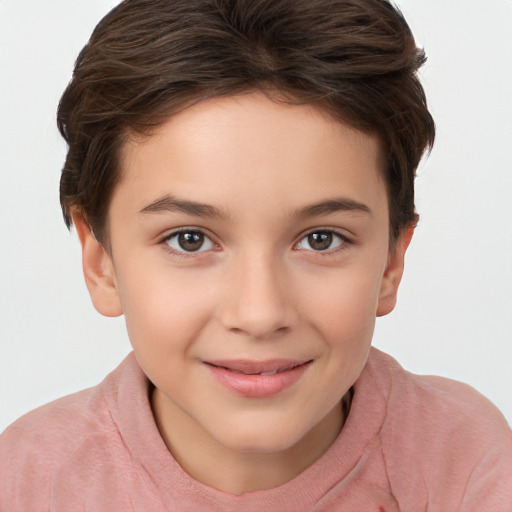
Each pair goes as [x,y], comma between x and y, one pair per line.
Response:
[189,241]
[321,241]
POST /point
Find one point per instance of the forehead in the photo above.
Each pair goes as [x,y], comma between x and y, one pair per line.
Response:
[251,148]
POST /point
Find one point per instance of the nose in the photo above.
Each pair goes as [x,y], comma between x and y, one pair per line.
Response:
[258,299]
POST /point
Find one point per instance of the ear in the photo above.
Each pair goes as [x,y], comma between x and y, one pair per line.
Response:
[98,270]
[393,273]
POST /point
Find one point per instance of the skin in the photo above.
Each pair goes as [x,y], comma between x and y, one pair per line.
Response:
[257,289]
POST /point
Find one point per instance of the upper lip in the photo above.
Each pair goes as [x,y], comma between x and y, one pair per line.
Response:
[255,367]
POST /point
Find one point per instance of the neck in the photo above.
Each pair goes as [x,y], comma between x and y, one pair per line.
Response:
[238,472]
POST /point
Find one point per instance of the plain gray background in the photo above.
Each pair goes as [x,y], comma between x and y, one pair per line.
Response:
[454,316]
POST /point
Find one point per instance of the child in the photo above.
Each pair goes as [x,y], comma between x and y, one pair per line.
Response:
[240,175]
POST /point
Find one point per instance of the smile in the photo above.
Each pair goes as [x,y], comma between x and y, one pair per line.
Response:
[257,379]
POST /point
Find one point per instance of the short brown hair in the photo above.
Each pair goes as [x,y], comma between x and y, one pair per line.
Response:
[148,58]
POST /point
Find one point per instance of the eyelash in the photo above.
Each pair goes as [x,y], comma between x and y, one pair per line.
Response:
[184,254]
[345,242]
[343,245]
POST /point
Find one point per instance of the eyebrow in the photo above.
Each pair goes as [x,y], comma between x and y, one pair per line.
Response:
[332,206]
[170,203]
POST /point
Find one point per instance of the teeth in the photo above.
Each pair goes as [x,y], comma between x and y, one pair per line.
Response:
[273,372]
[265,374]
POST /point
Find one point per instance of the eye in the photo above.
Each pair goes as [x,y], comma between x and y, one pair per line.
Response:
[189,241]
[321,241]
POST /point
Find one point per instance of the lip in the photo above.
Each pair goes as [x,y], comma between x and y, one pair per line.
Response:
[258,379]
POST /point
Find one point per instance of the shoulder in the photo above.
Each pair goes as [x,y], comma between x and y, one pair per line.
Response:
[60,423]
[434,400]
[444,436]
[34,446]
[39,444]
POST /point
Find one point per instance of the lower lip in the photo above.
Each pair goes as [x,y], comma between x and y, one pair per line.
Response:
[258,386]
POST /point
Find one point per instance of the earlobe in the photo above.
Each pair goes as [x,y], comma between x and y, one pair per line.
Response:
[98,270]
[393,274]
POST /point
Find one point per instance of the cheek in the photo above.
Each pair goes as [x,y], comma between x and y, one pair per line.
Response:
[164,310]
[348,325]
[342,313]
[344,301]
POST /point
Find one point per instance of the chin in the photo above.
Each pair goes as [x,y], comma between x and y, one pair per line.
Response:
[259,439]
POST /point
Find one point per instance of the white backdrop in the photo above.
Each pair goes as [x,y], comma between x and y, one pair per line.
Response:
[454,316]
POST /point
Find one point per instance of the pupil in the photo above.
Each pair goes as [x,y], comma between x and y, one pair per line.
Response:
[191,241]
[320,241]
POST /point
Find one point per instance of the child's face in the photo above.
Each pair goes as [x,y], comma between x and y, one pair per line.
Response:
[249,236]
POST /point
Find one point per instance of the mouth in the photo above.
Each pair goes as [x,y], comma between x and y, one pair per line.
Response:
[265,368]
[258,378]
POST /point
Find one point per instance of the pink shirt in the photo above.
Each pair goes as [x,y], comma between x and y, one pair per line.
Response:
[411,443]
